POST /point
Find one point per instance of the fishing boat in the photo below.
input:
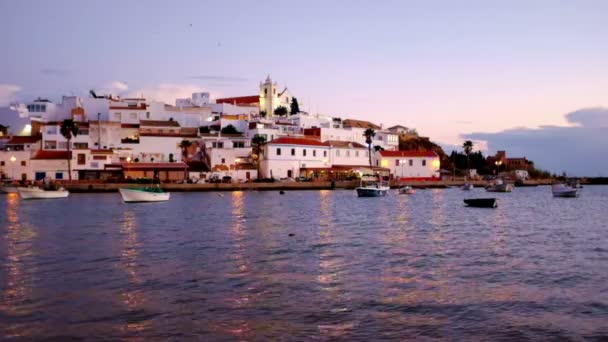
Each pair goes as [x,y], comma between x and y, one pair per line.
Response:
[468,186]
[481,202]
[38,193]
[563,190]
[499,186]
[371,186]
[144,195]
[406,190]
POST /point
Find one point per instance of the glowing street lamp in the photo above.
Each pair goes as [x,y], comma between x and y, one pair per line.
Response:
[13,160]
[128,159]
[498,163]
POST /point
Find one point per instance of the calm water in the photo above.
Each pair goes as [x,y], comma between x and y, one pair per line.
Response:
[212,266]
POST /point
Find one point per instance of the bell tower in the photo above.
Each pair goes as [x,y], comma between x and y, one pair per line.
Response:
[268,96]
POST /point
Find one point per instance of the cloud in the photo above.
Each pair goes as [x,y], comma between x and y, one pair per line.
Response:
[8,93]
[227,79]
[54,72]
[578,149]
[168,92]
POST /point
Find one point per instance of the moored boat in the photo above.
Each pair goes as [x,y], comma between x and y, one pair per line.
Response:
[563,190]
[468,186]
[481,202]
[372,187]
[38,193]
[144,195]
[7,189]
[406,190]
[499,186]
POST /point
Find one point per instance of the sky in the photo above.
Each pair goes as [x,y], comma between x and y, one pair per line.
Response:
[454,70]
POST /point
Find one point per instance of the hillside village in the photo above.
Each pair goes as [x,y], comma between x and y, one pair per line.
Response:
[243,138]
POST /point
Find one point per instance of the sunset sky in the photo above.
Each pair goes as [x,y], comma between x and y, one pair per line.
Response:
[451,69]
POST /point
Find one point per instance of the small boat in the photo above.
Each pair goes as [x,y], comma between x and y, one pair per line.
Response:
[371,187]
[468,186]
[406,190]
[481,202]
[499,186]
[144,195]
[38,193]
[563,190]
[8,189]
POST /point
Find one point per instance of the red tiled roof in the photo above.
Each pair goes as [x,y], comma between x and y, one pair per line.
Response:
[159,123]
[239,100]
[297,141]
[51,155]
[148,166]
[129,125]
[408,154]
[24,139]
[344,144]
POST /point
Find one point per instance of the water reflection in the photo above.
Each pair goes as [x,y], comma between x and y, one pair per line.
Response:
[20,250]
[131,296]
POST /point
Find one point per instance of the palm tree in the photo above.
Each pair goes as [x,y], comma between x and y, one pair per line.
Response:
[257,142]
[69,129]
[184,145]
[468,148]
[369,134]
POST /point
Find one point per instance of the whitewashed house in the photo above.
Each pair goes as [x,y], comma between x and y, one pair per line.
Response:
[410,165]
[286,156]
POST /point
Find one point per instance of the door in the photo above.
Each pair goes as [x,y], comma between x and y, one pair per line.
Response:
[289,174]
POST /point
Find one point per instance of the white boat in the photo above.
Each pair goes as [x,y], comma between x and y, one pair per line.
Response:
[371,187]
[37,193]
[499,186]
[144,195]
[406,190]
[563,190]
[468,186]
[7,189]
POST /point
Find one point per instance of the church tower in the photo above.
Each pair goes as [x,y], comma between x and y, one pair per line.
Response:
[268,97]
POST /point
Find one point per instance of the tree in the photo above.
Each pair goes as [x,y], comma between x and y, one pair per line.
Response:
[69,129]
[369,134]
[230,130]
[468,148]
[263,113]
[295,107]
[257,142]
[171,160]
[280,111]
[184,145]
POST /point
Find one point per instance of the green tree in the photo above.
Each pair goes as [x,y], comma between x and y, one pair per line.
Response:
[257,142]
[184,145]
[280,111]
[369,135]
[230,130]
[69,130]
[263,113]
[295,107]
[468,148]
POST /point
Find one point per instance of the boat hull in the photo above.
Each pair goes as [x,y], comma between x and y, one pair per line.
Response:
[561,190]
[481,202]
[133,196]
[36,193]
[500,188]
[8,189]
[371,192]
[569,194]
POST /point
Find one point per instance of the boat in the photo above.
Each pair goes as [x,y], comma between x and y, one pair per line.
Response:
[7,189]
[38,193]
[563,190]
[372,187]
[499,186]
[468,186]
[406,190]
[481,202]
[144,195]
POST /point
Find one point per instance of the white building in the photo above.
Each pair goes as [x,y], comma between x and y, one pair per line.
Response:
[286,156]
[348,154]
[410,165]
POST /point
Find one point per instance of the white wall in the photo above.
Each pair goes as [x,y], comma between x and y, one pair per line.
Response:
[157,147]
[417,169]
[228,155]
[15,169]
[349,156]
[278,165]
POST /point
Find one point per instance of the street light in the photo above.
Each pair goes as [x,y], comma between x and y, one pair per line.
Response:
[498,163]
[128,159]
[13,160]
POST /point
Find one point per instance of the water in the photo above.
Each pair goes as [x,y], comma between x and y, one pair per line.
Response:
[223,266]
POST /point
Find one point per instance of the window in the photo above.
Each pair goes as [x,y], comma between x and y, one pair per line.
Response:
[63,145]
[356,153]
[51,130]
[411,162]
[265,91]
[397,162]
[83,131]
[423,162]
[293,151]
[223,160]
[2,163]
[278,151]
[314,153]
[81,145]
[304,152]
[324,153]
[81,159]
[337,153]
[347,153]
[58,175]
[133,115]
[217,144]
[117,116]
[23,163]
[50,145]
[238,144]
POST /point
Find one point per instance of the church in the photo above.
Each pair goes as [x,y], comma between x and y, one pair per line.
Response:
[269,98]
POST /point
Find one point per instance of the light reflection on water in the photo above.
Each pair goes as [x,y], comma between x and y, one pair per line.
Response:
[308,265]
